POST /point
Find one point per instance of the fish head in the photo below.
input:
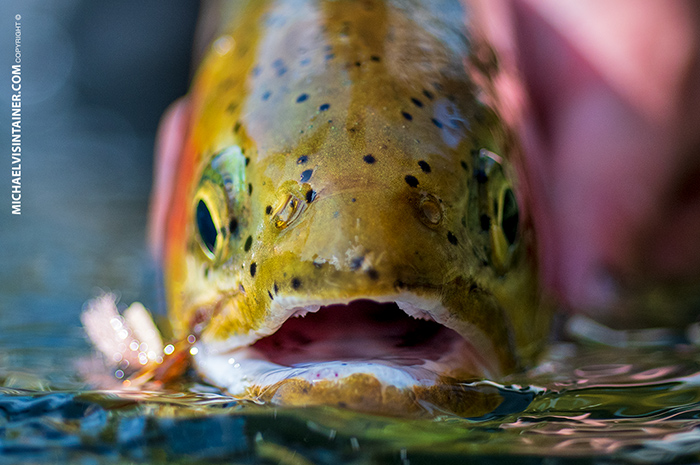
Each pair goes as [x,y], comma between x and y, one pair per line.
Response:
[346,214]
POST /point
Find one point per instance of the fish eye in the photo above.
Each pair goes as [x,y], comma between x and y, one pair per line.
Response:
[504,230]
[215,208]
[210,211]
[206,228]
[499,215]
[509,215]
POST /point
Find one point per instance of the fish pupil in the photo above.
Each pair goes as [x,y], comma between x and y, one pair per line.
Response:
[510,217]
[206,227]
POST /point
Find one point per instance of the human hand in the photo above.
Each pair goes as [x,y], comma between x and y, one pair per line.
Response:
[609,116]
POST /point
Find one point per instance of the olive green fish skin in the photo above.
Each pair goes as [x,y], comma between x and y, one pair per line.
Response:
[343,151]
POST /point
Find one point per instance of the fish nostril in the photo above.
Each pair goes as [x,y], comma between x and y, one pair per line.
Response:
[288,212]
[430,210]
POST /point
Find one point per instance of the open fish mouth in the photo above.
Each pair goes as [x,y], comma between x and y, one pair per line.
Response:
[346,352]
[386,356]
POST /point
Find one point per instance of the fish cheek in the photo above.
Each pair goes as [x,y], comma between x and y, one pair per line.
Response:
[482,310]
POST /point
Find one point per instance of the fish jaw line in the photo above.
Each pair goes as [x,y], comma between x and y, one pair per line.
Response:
[242,364]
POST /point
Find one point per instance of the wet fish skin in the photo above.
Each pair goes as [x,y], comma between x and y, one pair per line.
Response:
[342,150]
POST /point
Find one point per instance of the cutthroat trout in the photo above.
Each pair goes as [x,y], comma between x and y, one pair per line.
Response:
[339,220]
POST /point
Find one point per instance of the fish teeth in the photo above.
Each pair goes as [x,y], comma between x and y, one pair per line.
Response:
[302,311]
[415,312]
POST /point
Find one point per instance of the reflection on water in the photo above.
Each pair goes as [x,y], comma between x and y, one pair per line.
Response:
[584,403]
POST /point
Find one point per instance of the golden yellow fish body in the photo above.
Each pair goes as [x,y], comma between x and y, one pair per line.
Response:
[337,151]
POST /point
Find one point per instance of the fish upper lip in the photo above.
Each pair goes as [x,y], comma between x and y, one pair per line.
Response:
[480,350]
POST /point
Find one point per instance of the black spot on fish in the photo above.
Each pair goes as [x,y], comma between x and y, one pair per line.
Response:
[281,71]
[417,102]
[407,116]
[270,294]
[248,243]
[436,122]
[464,165]
[310,196]
[373,274]
[358,64]
[266,95]
[452,238]
[256,71]
[247,161]
[485,222]
[324,107]
[480,176]
[268,209]
[302,98]
[330,56]
[411,180]
[253,269]
[250,189]
[369,159]
[233,226]
[424,166]
[276,288]
[231,107]
[302,159]
[375,58]
[464,221]
[306,175]
[353,200]
[237,126]
[296,283]
[278,63]
[429,95]
[356,263]
[305,61]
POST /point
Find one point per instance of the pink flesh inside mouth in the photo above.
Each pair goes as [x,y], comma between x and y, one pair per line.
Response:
[359,331]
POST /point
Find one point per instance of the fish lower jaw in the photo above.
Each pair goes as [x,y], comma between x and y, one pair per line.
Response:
[241,373]
[375,385]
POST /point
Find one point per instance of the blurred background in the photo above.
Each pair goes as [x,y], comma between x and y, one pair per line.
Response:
[96,77]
